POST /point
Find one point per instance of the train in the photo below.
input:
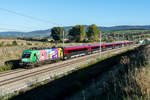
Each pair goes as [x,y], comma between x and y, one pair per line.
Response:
[37,56]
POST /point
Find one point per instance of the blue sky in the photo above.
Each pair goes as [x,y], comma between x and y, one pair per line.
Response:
[72,12]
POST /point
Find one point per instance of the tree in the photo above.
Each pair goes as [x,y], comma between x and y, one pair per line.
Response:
[57,33]
[77,33]
[93,33]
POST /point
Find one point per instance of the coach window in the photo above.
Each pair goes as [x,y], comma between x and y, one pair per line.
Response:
[77,50]
[95,47]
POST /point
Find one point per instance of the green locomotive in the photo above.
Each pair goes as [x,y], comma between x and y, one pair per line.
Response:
[36,56]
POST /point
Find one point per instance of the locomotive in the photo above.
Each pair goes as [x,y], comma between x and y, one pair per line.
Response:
[35,56]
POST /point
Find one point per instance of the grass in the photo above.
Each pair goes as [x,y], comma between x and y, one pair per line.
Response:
[11,49]
[80,76]
[132,81]
[16,51]
[5,68]
[8,96]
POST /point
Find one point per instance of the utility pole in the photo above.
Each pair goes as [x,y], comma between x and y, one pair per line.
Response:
[100,43]
[63,38]
[118,37]
[123,37]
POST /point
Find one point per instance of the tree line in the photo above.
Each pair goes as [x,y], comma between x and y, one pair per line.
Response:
[77,33]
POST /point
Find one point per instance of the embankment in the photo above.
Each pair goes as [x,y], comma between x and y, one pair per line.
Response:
[98,81]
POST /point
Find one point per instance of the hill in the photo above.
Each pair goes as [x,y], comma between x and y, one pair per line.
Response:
[46,33]
[37,33]
[125,27]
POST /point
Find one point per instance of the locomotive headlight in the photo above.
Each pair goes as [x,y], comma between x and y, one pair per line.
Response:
[24,59]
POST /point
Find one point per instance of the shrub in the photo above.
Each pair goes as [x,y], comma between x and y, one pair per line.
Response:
[2,44]
[8,44]
[44,40]
[14,43]
[36,44]
[130,80]
[29,43]
[5,67]
[22,44]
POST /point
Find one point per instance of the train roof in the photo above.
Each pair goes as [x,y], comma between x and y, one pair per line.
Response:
[81,46]
[35,48]
[92,45]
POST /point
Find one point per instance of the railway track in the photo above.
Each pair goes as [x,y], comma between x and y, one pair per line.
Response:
[11,72]
[16,76]
[14,79]
[32,70]
[5,74]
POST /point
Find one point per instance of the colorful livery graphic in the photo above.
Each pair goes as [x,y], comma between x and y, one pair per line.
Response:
[35,56]
[38,55]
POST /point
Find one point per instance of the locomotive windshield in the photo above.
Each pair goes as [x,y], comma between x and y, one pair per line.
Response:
[26,55]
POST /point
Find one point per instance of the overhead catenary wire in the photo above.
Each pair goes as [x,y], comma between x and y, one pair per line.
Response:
[33,18]
[28,16]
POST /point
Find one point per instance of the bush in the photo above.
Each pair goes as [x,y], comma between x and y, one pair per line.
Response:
[29,43]
[8,44]
[14,43]
[2,44]
[36,44]
[44,40]
[22,44]
[5,67]
[131,78]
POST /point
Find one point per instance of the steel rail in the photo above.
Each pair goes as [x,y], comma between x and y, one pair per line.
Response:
[50,69]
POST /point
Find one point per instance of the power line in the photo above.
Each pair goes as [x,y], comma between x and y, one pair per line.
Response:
[27,16]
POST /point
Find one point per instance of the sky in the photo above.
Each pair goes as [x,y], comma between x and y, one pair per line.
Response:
[45,14]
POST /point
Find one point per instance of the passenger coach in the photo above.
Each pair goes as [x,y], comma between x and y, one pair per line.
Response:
[35,56]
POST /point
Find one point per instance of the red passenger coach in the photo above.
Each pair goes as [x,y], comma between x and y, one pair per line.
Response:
[95,48]
[75,51]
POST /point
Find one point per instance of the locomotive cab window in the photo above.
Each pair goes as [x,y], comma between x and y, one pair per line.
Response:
[35,54]
[26,55]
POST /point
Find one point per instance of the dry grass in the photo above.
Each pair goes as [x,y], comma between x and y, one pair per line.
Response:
[132,82]
[10,53]
[13,52]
